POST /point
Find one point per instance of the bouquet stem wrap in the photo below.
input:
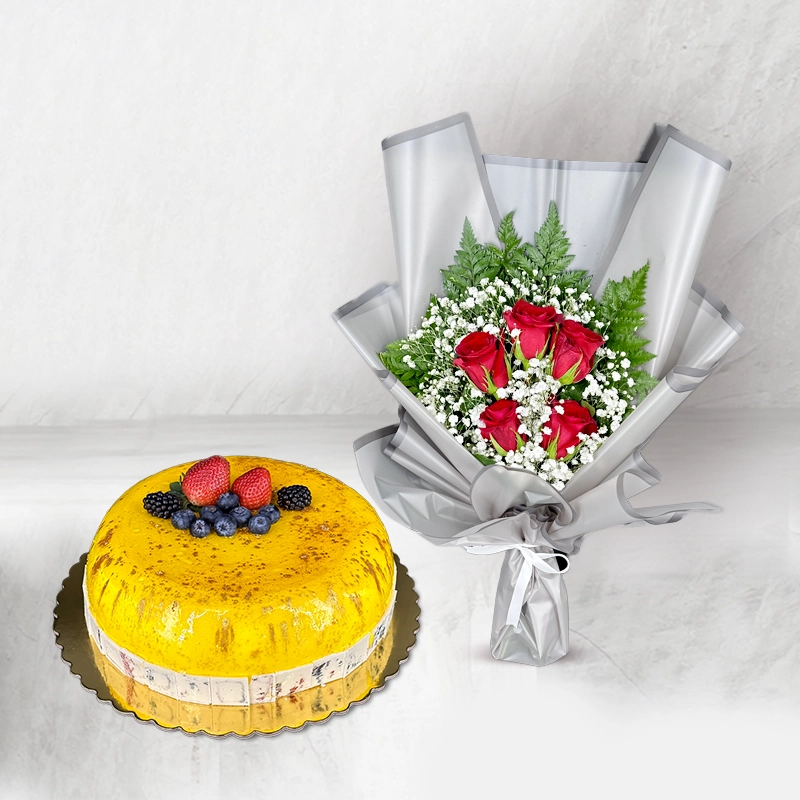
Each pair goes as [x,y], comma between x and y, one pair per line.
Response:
[619,216]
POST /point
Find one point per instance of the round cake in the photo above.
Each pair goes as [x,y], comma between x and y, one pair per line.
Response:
[234,618]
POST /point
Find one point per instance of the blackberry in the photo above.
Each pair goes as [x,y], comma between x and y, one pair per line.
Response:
[161,504]
[294,498]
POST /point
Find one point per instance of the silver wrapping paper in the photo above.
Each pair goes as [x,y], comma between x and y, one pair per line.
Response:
[435,177]
[618,216]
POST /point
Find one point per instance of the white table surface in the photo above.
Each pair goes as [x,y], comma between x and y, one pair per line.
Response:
[683,676]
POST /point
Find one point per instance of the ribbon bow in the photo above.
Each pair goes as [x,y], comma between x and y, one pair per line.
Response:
[521,512]
[516,510]
[533,561]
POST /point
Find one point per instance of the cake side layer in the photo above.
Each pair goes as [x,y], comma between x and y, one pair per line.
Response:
[316,584]
[291,710]
[236,691]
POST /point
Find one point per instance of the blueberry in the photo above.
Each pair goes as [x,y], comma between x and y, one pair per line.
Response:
[270,512]
[209,514]
[228,501]
[183,519]
[200,528]
[259,524]
[241,515]
[225,525]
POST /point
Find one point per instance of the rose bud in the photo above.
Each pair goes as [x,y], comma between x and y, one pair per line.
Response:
[535,324]
[564,428]
[501,426]
[573,351]
[482,356]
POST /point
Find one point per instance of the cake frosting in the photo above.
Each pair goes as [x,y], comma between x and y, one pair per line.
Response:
[245,619]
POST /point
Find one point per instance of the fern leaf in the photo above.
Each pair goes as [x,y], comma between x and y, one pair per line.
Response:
[473,262]
[550,252]
[622,301]
[507,233]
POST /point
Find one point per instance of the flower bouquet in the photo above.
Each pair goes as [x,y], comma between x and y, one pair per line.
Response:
[518,360]
[529,379]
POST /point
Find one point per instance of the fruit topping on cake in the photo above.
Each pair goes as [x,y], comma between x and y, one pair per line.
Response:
[200,529]
[225,525]
[183,519]
[204,501]
[161,504]
[206,481]
[254,488]
[270,512]
[241,515]
[259,524]
[209,513]
[228,501]
[294,498]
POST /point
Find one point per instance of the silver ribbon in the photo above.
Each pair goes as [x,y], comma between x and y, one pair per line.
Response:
[418,474]
[533,560]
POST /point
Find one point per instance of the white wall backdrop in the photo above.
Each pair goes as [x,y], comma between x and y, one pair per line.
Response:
[188,189]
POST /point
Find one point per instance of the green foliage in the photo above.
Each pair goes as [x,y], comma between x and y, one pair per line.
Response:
[473,262]
[573,391]
[545,262]
[507,234]
[419,351]
[622,301]
[643,383]
[176,488]
[550,258]
[620,316]
[550,251]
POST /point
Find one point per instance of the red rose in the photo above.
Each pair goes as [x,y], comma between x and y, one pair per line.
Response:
[573,351]
[483,357]
[535,324]
[501,426]
[565,427]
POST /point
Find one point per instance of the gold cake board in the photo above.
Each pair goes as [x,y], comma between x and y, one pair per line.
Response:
[317,704]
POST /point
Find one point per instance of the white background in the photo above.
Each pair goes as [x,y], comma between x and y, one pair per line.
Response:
[188,189]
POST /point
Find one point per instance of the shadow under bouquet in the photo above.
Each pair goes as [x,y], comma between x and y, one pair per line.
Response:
[530,378]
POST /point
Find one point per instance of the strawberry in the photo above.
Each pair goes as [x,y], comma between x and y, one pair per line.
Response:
[206,480]
[254,488]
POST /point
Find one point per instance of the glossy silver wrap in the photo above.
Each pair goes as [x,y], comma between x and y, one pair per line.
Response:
[618,216]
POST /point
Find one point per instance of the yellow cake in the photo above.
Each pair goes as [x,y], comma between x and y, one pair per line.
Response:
[245,619]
